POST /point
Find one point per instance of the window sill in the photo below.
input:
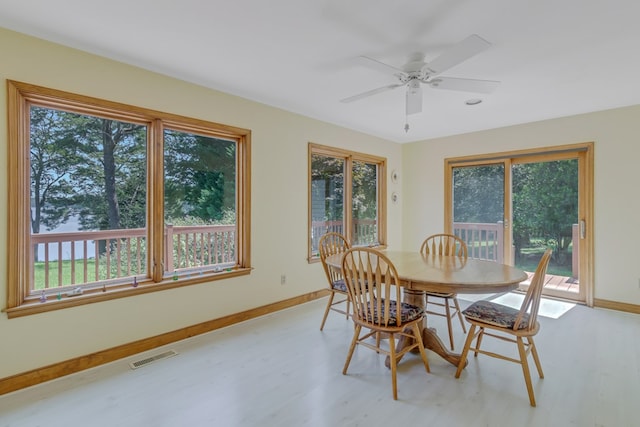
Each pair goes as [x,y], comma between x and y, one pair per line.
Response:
[33,306]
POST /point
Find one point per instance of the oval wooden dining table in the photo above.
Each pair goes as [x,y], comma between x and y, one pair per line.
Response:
[436,273]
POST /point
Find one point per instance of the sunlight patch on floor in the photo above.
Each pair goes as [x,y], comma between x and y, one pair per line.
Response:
[548,307]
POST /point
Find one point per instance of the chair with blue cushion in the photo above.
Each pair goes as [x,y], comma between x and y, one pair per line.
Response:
[380,310]
[509,324]
[332,244]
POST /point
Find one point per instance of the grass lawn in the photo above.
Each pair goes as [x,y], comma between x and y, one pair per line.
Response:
[39,273]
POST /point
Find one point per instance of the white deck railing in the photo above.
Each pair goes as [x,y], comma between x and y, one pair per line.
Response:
[93,256]
[484,240]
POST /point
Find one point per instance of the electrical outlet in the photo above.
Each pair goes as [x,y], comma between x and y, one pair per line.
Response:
[283,279]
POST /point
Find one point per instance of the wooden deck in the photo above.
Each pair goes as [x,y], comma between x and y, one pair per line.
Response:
[557,283]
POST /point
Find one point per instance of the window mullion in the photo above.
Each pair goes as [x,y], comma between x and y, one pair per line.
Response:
[382,203]
[155,212]
[347,214]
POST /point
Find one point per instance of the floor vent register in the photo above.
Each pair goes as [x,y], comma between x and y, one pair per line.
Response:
[146,361]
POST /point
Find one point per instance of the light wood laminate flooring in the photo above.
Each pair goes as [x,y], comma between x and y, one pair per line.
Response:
[280,370]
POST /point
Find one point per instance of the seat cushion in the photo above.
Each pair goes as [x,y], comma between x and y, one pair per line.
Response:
[339,285]
[494,314]
[408,313]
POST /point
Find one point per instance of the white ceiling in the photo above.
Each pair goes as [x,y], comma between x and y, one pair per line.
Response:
[554,57]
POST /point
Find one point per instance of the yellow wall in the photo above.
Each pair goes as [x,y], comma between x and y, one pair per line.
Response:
[616,134]
[279,206]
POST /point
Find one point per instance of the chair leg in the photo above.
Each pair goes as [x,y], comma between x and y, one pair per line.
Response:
[478,342]
[354,342]
[525,370]
[326,310]
[394,365]
[455,302]
[465,350]
[534,353]
[447,311]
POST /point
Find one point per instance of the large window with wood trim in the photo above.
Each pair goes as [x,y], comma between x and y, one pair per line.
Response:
[346,195]
[108,200]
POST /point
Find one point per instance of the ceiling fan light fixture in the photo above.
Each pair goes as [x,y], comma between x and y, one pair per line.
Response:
[413,86]
[414,99]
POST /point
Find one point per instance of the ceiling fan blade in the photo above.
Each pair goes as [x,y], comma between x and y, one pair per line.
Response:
[462,51]
[464,85]
[380,66]
[414,99]
[371,92]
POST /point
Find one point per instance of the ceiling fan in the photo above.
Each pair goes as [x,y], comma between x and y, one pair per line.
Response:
[417,72]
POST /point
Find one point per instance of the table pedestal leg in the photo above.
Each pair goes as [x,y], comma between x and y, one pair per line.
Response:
[430,337]
[432,342]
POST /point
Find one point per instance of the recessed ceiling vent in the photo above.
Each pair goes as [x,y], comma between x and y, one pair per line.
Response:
[144,362]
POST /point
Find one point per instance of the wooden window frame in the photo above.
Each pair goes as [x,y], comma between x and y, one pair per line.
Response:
[20,300]
[349,157]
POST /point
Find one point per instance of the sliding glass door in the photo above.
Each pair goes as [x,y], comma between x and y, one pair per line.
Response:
[511,208]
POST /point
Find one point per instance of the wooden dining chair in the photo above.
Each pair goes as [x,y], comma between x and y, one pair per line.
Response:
[332,244]
[380,310]
[509,324]
[451,245]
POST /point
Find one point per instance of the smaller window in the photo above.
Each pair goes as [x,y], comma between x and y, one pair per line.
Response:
[345,196]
